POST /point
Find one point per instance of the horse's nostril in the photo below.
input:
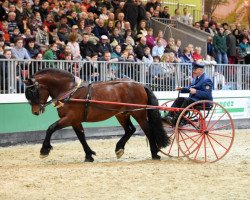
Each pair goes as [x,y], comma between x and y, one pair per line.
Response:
[36,113]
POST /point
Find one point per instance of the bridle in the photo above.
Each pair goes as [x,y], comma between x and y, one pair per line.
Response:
[35,87]
[56,102]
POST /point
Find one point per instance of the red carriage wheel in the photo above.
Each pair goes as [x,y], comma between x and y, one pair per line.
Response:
[172,150]
[204,131]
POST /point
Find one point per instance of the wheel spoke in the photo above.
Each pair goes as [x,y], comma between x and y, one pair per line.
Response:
[219,127]
[195,142]
[212,147]
[217,142]
[216,121]
[226,136]
[198,148]
[211,115]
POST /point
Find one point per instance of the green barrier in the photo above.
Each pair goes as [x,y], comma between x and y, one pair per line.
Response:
[17,117]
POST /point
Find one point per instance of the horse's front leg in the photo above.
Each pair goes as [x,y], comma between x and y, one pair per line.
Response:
[44,152]
[81,136]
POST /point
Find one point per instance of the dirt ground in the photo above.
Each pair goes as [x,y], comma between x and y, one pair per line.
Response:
[64,175]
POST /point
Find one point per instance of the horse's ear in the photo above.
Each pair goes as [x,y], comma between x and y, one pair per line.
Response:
[27,81]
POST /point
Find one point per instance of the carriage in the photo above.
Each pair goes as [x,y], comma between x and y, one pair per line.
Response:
[204,131]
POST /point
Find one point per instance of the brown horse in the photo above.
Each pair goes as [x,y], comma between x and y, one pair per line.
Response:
[61,86]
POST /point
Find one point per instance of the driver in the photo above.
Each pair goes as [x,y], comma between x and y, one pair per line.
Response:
[199,89]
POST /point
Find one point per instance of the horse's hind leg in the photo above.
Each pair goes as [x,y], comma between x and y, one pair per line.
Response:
[141,118]
[81,136]
[124,120]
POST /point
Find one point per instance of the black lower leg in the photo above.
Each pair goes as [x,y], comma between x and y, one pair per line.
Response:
[129,131]
[46,147]
[81,136]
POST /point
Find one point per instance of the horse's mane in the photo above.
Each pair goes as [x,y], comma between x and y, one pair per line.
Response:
[57,72]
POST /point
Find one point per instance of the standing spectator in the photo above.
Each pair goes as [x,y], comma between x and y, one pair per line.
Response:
[231,47]
[205,27]
[212,30]
[130,11]
[186,18]
[44,10]
[244,47]
[177,15]
[203,20]
[210,47]
[4,69]
[165,13]
[141,11]
[220,47]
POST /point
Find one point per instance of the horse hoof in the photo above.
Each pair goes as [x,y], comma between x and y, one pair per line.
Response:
[89,160]
[43,156]
[156,157]
[44,152]
[119,153]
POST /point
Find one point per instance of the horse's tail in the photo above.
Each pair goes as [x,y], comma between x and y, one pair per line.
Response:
[154,121]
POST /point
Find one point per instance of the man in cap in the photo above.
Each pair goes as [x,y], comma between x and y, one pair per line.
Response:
[200,89]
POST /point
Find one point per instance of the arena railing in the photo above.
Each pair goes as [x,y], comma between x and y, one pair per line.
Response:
[159,76]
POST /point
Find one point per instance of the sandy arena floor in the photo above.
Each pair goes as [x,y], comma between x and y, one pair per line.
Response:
[63,175]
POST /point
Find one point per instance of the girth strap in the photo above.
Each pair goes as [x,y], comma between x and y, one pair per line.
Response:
[86,104]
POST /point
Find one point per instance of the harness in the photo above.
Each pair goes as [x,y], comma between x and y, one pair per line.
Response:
[87,103]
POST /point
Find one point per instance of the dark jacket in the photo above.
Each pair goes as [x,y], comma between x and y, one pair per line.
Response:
[87,49]
[204,87]
[220,43]
[139,50]
[231,45]
[130,11]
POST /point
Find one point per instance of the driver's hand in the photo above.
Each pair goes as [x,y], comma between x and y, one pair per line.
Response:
[178,88]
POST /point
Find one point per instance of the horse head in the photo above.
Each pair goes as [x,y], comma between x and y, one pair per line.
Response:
[37,94]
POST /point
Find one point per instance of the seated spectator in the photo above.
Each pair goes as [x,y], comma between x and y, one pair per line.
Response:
[92,38]
[158,49]
[178,46]
[147,58]
[74,45]
[90,71]
[2,46]
[18,51]
[75,30]
[100,30]
[36,22]
[163,41]
[87,48]
[169,46]
[104,12]
[156,70]
[142,29]
[104,46]
[63,34]
[42,37]
[197,57]
[72,18]
[51,53]
[127,43]
[116,38]
[186,56]
[32,49]
[16,33]
[61,54]
[139,49]
[130,34]
[150,38]
[110,27]
[49,21]
[81,25]
[93,8]
[117,52]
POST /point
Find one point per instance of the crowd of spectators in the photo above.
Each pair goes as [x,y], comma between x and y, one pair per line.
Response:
[106,30]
